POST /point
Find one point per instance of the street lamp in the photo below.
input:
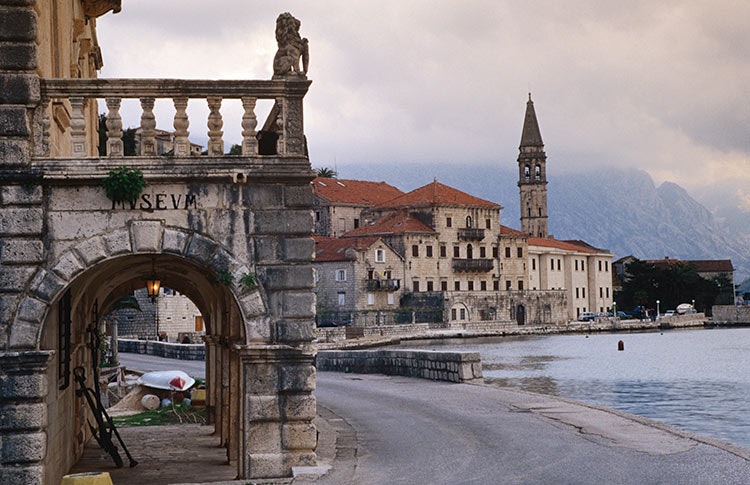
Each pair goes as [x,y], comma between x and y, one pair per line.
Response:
[153,284]
[657,309]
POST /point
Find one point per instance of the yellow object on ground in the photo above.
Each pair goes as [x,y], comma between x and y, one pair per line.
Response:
[91,478]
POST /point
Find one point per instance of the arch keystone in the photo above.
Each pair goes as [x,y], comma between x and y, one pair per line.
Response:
[147,236]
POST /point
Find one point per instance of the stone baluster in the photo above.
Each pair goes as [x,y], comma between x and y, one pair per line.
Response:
[41,138]
[77,127]
[281,143]
[294,135]
[115,147]
[249,123]
[148,128]
[181,124]
[215,142]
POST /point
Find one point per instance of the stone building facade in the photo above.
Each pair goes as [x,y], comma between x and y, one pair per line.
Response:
[358,280]
[453,246]
[339,203]
[68,251]
[171,315]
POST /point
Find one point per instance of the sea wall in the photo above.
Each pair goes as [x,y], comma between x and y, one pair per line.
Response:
[731,314]
[163,349]
[501,328]
[434,365]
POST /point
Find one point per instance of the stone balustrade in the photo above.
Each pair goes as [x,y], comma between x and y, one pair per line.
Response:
[283,126]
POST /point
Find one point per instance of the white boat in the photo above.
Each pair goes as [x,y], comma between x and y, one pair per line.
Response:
[171,380]
[684,308]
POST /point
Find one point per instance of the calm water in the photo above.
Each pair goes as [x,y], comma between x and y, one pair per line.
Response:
[698,380]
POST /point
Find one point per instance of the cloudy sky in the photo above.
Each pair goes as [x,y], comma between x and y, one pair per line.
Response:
[657,85]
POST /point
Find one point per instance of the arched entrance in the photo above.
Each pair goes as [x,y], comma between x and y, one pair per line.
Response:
[520,315]
[259,386]
[79,307]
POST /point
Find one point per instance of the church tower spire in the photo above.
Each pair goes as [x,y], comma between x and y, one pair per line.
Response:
[532,176]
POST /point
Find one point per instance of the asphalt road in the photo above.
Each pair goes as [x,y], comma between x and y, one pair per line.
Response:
[148,363]
[411,431]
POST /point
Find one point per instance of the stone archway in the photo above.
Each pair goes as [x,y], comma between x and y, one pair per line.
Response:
[229,310]
[260,386]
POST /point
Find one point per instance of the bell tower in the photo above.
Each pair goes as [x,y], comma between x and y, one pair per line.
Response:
[532,176]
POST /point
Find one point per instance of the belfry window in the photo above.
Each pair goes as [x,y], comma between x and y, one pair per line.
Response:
[537,173]
[527,172]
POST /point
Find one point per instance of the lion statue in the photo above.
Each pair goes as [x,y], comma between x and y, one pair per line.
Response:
[292,47]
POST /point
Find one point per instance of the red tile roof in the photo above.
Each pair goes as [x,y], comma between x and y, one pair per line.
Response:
[337,249]
[579,246]
[355,192]
[394,223]
[701,266]
[436,193]
[510,231]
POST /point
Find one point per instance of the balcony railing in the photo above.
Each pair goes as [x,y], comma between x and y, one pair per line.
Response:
[383,285]
[478,265]
[471,234]
[284,122]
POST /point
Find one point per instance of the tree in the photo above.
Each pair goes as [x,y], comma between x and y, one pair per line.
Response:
[326,172]
[672,284]
[128,138]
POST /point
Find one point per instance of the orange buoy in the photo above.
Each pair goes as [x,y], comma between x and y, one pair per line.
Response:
[620,345]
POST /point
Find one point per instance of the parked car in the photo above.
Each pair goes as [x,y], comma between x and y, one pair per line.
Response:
[670,313]
[586,316]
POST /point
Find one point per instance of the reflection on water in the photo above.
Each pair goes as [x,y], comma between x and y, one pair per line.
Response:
[695,379]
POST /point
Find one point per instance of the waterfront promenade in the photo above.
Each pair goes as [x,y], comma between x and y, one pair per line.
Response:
[379,429]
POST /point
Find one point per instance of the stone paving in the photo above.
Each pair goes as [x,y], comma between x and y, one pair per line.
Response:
[190,454]
[172,454]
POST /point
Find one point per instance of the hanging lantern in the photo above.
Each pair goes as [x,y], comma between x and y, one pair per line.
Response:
[152,286]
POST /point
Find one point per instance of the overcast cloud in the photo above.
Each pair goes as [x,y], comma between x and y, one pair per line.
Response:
[656,85]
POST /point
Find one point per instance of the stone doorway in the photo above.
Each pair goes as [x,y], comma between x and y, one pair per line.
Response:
[521,315]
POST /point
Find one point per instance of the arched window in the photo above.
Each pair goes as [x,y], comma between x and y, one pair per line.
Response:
[527,172]
[537,172]
[468,222]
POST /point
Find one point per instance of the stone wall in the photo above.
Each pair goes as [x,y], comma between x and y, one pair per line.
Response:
[503,328]
[725,314]
[163,349]
[541,306]
[426,364]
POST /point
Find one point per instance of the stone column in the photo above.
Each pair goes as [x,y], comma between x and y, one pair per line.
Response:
[278,409]
[278,376]
[23,412]
[211,352]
